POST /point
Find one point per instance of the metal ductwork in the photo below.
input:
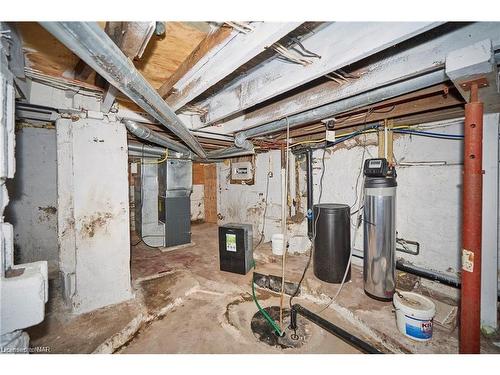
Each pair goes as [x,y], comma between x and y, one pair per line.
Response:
[147,134]
[142,149]
[89,42]
[344,105]
[138,149]
[229,152]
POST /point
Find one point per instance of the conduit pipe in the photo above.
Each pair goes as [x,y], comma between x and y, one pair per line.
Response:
[361,100]
[143,132]
[470,298]
[89,42]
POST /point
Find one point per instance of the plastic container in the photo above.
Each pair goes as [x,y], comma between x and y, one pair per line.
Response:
[277,243]
[414,315]
[332,245]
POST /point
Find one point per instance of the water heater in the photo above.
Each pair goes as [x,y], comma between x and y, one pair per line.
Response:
[379,263]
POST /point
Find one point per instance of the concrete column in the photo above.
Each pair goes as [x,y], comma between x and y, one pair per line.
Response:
[489,275]
[93,213]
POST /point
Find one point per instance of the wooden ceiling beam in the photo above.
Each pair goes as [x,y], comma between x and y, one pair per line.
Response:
[211,41]
[236,50]
[418,59]
[338,44]
[390,109]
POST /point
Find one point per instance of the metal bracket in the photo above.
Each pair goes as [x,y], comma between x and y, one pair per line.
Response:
[476,64]
[481,83]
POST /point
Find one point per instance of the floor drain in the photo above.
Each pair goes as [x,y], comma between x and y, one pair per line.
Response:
[264,332]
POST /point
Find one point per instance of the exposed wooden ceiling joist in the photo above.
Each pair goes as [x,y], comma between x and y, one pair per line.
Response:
[225,58]
[338,44]
[161,58]
[423,101]
[411,61]
[211,41]
[439,114]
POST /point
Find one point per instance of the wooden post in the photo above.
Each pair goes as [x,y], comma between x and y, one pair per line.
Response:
[381,142]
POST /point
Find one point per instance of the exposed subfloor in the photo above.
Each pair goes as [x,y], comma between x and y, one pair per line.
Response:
[184,304]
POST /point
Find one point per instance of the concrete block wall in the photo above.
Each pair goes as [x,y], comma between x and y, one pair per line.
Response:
[32,208]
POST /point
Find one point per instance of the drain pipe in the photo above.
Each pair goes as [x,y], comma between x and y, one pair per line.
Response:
[343,105]
[143,132]
[331,328]
[89,42]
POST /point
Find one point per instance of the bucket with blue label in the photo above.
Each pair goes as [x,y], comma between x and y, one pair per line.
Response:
[414,315]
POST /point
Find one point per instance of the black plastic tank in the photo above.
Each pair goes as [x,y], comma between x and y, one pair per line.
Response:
[332,245]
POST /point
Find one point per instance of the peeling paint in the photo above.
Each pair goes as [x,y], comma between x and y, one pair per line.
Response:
[91,224]
[50,210]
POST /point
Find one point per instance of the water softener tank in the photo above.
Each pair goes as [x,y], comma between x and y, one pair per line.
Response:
[379,214]
[332,244]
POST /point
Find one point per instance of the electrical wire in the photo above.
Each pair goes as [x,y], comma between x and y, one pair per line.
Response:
[309,142]
[305,52]
[159,161]
[403,129]
[269,173]
[430,134]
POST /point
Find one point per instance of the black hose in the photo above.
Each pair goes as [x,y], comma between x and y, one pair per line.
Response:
[332,328]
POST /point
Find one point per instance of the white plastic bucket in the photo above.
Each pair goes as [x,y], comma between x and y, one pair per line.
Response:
[277,243]
[414,314]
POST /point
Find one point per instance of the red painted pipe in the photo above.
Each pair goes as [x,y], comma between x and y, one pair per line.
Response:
[470,302]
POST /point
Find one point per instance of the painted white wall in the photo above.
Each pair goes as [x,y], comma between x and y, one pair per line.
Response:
[93,212]
[33,197]
[245,203]
[490,245]
[198,202]
[428,197]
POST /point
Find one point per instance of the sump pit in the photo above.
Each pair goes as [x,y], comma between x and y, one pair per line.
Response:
[265,333]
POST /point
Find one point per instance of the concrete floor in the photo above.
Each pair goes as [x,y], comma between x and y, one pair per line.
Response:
[184,304]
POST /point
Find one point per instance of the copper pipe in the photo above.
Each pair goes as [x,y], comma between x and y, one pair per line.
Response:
[470,301]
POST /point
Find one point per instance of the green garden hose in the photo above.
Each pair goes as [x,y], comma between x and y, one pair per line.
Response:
[270,320]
